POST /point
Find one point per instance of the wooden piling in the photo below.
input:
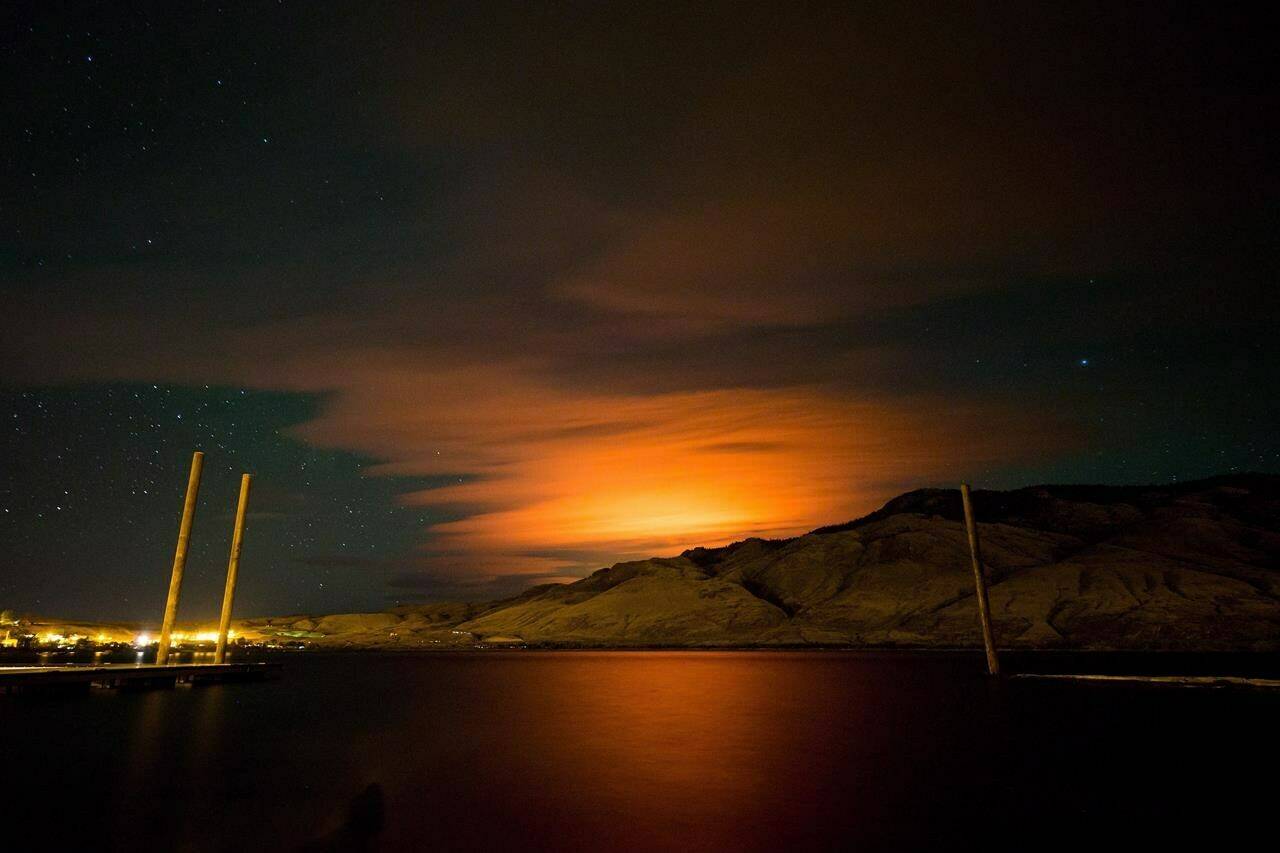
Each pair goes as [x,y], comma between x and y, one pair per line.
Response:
[233,568]
[979,582]
[180,558]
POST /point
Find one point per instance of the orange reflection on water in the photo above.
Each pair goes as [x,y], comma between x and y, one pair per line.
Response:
[690,739]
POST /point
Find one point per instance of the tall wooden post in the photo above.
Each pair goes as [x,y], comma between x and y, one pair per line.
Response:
[180,558]
[233,567]
[980,582]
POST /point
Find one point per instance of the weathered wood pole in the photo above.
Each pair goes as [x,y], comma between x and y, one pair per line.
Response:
[979,581]
[180,558]
[233,567]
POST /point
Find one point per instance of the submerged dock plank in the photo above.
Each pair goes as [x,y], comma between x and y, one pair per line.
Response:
[1168,680]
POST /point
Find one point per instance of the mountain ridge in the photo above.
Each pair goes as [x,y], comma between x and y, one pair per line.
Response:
[1193,565]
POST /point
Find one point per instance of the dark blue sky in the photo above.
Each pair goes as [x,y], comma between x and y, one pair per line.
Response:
[93,488]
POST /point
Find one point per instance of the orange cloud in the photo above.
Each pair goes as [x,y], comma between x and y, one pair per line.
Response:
[554,479]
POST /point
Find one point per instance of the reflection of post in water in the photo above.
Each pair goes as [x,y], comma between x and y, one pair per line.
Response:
[979,581]
[147,732]
[233,568]
[205,741]
[180,558]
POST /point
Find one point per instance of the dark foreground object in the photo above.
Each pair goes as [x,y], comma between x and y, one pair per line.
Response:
[126,676]
[639,751]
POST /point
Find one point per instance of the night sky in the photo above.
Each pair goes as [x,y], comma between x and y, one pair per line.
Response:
[491,294]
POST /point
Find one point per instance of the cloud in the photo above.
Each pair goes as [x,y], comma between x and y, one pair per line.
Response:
[693,381]
[545,469]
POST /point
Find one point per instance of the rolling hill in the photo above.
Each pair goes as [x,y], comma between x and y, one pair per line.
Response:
[1184,566]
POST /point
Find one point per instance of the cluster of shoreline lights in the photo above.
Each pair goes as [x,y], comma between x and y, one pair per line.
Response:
[140,641]
[179,637]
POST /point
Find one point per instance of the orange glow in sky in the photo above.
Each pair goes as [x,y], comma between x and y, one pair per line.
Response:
[561,481]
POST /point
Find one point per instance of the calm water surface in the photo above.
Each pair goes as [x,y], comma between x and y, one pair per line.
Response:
[584,751]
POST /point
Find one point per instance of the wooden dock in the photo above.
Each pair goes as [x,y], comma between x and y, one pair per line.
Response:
[130,676]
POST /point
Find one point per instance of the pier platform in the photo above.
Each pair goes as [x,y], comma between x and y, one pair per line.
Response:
[130,676]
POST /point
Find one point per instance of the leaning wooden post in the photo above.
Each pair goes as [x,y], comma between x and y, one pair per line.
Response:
[980,582]
[233,566]
[180,558]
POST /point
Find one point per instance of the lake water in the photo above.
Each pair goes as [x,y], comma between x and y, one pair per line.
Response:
[585,751]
